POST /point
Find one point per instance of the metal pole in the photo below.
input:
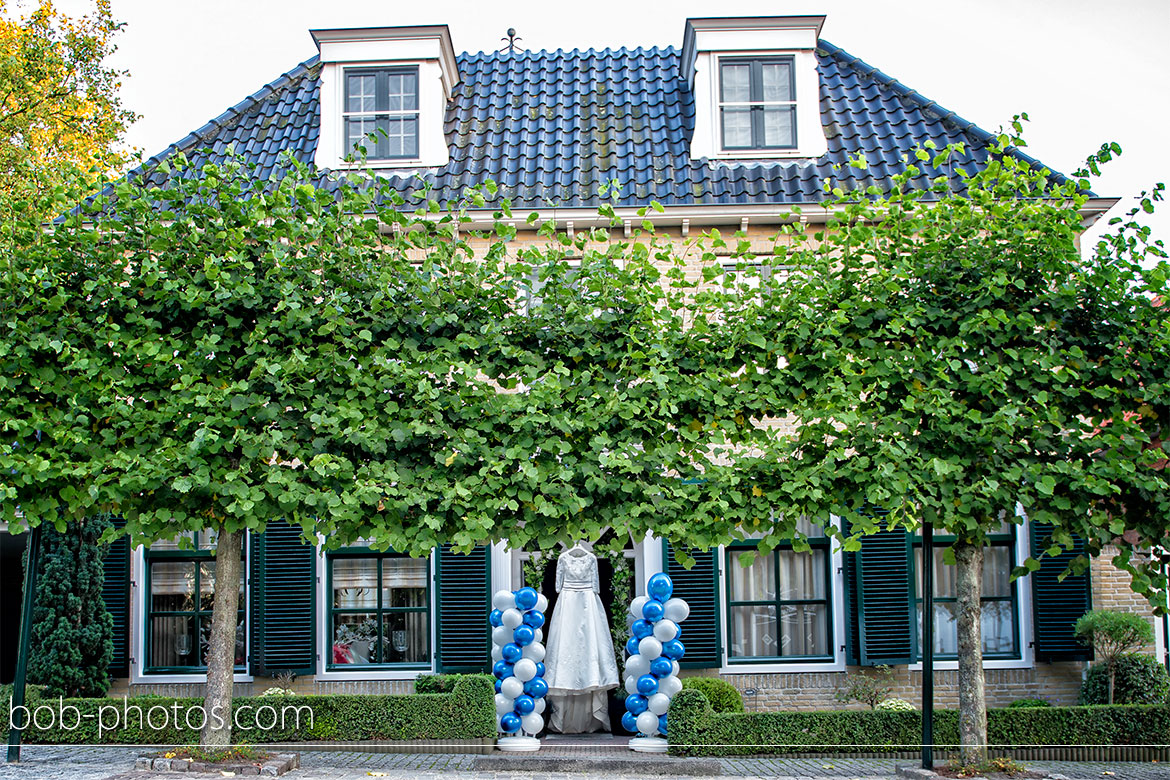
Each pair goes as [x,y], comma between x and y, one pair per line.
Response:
[30,585]
[927,645]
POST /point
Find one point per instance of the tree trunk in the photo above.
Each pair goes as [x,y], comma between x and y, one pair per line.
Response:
[972,707]
[221,650]
[1112,669]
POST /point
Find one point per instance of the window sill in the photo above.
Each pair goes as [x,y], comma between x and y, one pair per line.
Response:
[776,667]
[374,673]
[750,155]
[149,678]
[991,663]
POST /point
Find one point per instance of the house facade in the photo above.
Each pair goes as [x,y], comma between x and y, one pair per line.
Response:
[745,119]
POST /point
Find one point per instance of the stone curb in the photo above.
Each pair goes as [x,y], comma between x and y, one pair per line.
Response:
[918,773]
[534,764]
[273,767]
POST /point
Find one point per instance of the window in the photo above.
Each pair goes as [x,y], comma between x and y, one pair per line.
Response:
[778,608]
[383,102]
[1000,624]
[180,587]
[379,611]
[757,103]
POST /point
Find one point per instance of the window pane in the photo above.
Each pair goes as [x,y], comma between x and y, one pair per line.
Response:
[403,91]
[737,127]
[406,638]
[354,637]
[205,640]
[404,582]
[401,135]
[173,642]
[945,627]
[804,629]
[357,132]
[996,627]
[802,575]
[777,81]
[944,575]
[184,541]
[803,523]
[355,583]
[737,83]
[753,632]
[778,126]
[207,586]
[172,586]
[755,583]
[997,569]
[361,93]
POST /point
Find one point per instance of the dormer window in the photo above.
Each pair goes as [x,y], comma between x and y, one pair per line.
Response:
[757,103]
[382,102]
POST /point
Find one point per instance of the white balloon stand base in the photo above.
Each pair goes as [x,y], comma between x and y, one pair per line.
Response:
[518,744]
[648,744]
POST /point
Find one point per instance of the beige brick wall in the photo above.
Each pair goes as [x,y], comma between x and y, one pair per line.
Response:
[1111,590]
[307,684]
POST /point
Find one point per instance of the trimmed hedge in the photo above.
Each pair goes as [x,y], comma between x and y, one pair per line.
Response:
[697,730]
[1139,679]
[466,712]
[723,696]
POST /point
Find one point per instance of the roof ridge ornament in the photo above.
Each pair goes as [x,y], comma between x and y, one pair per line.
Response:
[510,42]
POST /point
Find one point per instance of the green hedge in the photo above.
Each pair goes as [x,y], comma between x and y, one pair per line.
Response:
[1139,679]
[697,730]
[466,712]
[723,696]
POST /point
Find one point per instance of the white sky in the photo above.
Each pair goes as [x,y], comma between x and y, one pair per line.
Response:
[1085,71]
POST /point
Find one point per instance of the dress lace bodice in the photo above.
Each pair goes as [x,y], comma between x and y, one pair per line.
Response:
[577,570]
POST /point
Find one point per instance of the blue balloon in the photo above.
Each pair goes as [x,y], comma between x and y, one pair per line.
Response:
[523,635]
[659,587]
[509,723]
[534,619]
[511,652]
[647,684]
[652,611]
[630,722]
[503,670]
[526,598]
[498,685]
[642,629]
[632,646]
[662,725]
[661,667]
[540,668]
[636,704]
[537,688]
[494,617]
[524,704]
[673,649]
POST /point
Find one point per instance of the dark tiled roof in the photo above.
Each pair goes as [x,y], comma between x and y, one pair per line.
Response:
[553,127]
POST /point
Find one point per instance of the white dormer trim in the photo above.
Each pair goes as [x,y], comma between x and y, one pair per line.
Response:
[707,41]
[427,48]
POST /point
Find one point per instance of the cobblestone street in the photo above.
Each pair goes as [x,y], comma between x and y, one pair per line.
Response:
[116,763]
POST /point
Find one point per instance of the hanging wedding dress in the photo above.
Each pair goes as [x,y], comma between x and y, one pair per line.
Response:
[580,665]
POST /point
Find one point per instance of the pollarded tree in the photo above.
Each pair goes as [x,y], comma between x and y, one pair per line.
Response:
[950,355]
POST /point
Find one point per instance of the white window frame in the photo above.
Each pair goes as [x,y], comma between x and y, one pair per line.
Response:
[374,114]
[794,103]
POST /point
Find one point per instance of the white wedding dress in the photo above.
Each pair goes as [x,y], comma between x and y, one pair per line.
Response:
[579,665]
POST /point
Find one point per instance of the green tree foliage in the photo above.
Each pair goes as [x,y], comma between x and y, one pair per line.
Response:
[1113,634]
[1136,679]
[72,633]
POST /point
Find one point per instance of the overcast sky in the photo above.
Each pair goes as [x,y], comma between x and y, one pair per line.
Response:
[1085,71]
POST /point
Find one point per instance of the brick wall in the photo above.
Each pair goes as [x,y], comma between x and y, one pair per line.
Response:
[1111,590]
[303,685]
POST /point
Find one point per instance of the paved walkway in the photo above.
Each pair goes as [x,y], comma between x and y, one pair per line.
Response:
[116,763]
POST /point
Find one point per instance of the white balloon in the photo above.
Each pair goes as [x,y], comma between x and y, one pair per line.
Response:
[674,667]
[540,705]
[631,683]
[511,618]
[503,600]
[659,703]
[666,630]
[636,606]
[497,652]
[539,635]
[511,687]
[676,610]
[649,647]
[532,723]
[503,704]
[636,666]
[670,686]
[501,636]
[535,651]
[648,723]
[541,603]
[525,669]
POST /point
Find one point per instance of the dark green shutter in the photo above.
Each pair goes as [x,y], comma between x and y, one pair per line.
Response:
[1057,604]
[116,595]
[885,599]
[464,603]
[699,587]
[284,586]
[850,566]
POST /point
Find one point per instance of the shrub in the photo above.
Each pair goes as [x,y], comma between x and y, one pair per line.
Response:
[722,695]
[1029,703]
[867,687]
[467,712]
[697,730]
[1111,635]
[445,683]
[71,630]
[895,704]
[1137,679]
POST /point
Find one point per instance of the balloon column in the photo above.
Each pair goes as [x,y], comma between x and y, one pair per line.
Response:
[518,659]
[654,652]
